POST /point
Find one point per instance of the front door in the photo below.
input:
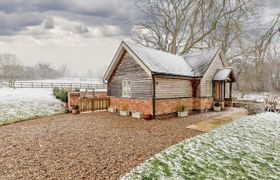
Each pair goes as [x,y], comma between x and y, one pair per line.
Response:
[218,90]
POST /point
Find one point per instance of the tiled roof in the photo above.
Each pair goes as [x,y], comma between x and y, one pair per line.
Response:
[194,64]
[200,60]
[161,62]
[222,74]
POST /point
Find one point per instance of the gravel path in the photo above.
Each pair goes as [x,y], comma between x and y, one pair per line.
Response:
[87,146]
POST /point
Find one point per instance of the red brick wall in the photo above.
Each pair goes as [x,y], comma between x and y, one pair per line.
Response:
[133,105]
[100,94]
[73,97]
[163,106]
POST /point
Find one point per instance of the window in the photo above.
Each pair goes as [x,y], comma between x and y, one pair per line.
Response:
[126,88]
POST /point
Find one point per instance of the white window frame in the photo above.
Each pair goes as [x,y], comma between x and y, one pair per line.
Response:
[126,88]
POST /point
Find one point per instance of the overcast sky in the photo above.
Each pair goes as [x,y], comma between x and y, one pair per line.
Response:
[83,34]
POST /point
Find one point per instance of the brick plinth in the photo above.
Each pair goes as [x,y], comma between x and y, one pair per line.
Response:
[133,105]
[163,106]
[228,103]
[73,97]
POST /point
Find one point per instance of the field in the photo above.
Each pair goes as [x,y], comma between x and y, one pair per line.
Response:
[248,148]
[21,104]
[254,96]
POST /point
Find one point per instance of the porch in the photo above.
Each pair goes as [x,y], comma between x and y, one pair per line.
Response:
[222,86]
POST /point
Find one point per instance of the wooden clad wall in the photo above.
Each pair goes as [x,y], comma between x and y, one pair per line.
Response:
[129,69]
[206,85]
[173,88]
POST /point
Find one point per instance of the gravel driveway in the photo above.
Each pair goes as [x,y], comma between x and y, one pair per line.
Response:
[87,146]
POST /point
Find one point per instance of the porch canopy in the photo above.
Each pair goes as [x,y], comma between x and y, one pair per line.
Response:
[222,82]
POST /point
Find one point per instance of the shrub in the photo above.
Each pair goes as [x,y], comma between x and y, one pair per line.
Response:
[182,108]
[217,104]
[75,106]
[61,94]
[123,107]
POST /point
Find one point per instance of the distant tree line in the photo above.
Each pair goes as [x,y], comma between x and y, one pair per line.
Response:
[12,69]
[236,26]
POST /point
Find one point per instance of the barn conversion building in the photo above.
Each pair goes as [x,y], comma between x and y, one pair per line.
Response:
[156,82]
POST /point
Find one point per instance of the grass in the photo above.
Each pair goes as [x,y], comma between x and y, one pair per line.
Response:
[247,148]
[22,104]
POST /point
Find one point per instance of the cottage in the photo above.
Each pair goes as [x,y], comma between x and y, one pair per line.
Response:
[156,82]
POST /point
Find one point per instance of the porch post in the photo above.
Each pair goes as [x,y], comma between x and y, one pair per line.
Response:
[224,90]
[230,90]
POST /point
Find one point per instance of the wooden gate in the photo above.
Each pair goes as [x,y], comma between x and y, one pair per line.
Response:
[94,104]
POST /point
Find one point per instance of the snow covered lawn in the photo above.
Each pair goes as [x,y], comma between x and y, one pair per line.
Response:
[20,104]
[248,148]
[253,96]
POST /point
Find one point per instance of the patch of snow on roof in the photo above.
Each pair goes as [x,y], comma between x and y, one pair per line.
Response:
[200,60]
[161,62]
[222,74]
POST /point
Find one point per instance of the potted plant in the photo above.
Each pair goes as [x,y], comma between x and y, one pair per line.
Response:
[147,116]
[138,115]
[124,110]
[182,111]
[217,106]
[75,108]
[112,109]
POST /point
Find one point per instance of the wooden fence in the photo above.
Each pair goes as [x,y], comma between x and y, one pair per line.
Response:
[94,104]
[21,84]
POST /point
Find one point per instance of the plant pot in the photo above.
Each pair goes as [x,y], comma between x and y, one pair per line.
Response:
[217,108]
[124,113]
[138,115]
[113,110]
[75,111]
[183,113]
[147,116]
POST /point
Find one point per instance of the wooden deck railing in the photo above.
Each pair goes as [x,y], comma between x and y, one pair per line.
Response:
[94,104]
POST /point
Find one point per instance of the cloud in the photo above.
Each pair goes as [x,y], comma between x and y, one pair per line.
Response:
[82,29]
[13,23]
[110,16]
[49,23]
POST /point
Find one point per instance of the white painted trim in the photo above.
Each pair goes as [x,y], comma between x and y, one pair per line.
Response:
[117,57]
[223,58]
[214,58]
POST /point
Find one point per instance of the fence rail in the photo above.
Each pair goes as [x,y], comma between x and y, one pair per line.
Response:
[94,104]
[3,84]
[19,84]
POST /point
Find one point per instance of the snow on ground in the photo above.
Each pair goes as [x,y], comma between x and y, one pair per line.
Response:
[20,104]
[248,148]
[253,96]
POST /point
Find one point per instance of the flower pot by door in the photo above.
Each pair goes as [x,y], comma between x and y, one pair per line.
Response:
[147,116]
[124,113]
[75,111]
[183,113]
[217,108]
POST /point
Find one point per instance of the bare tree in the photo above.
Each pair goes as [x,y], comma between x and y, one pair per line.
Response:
[258,68]
[10,68]
[176,26]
